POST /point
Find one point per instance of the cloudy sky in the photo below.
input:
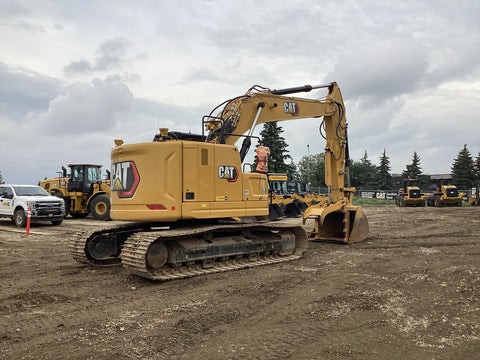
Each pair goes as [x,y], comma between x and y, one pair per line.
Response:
[75,75]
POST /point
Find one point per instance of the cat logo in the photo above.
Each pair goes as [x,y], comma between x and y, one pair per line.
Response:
[291,108]
[125,178]
[228,172]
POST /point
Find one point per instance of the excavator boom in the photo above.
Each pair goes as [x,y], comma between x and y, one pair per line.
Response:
[336,218]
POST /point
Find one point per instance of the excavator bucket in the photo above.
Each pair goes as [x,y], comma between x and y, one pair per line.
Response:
[341,221]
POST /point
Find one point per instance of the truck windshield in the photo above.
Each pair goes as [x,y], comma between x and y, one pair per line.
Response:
[30,191]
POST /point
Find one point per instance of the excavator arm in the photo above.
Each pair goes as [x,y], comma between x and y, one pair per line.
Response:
[335,218]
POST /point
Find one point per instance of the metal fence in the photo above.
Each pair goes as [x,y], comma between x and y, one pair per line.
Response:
[391,194]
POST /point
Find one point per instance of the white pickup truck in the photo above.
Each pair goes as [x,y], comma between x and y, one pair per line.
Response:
[16,199]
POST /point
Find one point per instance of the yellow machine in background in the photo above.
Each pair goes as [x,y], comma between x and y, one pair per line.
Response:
[474,199]
[289,198]
[282,201]
[446,194]
[183,191]
[83,191]
[410,194]
[301,191]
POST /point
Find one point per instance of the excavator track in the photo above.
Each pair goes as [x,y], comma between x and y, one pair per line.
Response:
[134,255]
[80,244]
[203,249]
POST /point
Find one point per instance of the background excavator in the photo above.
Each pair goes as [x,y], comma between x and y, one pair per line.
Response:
[182,191]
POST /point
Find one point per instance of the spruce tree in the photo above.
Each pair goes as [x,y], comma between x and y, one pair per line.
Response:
[384,178]
[413,170]
[477,170]
[363,173]
[271,136]
[463,170]
[355,170]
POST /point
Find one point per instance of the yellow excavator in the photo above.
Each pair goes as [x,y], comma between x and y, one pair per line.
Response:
[181,193]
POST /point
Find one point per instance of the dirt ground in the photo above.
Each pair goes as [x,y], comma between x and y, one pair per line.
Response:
[410,291]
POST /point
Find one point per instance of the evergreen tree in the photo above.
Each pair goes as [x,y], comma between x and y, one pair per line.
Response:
[271,136]
[355,170]
[292,173]
[363,173]
[413,170]
[368,172]
[463,170]
[477,169]
[384,178]
[1,178]
[311,170]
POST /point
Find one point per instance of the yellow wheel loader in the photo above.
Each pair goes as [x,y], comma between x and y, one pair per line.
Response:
[446,194]
[410,194]
[474,199]
[181,192]
[83,191]
[283,202]
[301,191]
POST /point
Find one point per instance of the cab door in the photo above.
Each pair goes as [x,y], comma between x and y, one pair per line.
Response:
[6,200]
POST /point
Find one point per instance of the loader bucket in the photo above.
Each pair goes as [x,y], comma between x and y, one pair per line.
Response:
[292,210]
[338,222]
[275,212]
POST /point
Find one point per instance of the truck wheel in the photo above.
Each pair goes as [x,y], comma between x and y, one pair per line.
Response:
[57,222]
[19,218]
[100,208]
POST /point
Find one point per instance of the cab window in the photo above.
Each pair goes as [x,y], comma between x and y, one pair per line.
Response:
[6,192]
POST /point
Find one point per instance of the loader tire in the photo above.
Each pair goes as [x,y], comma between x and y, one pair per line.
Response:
[100,208]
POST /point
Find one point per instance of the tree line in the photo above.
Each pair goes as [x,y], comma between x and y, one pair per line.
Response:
[465,169]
